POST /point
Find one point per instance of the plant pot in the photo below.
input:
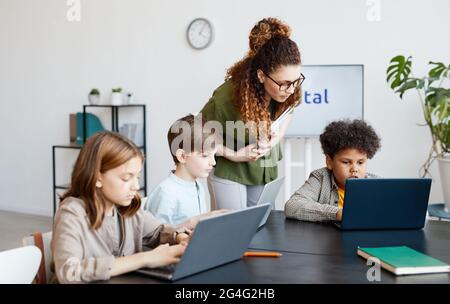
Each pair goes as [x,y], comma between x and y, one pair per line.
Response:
[129,98]
[444,171]
[116,99]
[94,99]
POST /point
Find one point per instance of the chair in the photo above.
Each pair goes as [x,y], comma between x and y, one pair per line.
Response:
[42,241]
[20,265]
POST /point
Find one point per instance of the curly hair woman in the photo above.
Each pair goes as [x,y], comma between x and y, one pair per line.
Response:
[258,89]
[347,145]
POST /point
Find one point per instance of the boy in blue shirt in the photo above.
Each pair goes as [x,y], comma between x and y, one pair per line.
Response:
[180,198]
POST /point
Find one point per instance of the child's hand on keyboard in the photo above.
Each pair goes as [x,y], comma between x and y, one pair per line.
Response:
[163,255]
[183,237]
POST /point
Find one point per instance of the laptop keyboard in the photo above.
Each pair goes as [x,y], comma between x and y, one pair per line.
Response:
[164,272]
[169,269]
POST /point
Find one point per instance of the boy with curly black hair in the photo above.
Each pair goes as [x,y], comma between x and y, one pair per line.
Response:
[347,146]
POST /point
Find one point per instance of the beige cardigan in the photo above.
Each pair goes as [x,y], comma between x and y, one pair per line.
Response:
[81,254]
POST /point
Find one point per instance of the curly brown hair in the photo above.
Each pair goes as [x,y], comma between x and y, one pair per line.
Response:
[349,134]
[270,48]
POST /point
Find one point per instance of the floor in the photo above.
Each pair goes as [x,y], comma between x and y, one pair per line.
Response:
[15,226]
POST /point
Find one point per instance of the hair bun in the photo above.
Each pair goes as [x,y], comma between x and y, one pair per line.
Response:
[264,30]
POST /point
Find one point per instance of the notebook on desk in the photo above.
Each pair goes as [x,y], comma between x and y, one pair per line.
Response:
[216,240]
[403,260]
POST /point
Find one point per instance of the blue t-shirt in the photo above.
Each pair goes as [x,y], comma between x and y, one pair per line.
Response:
[175,200]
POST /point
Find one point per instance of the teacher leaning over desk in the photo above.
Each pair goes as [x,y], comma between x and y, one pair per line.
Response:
[257,90]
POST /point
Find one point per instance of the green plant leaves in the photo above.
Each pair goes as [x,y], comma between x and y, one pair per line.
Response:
[398,73]
[94,91]
[436,107]
[434,95]
[411,83]
[437,70]
[442,132]
[442,109]
[441,113]
[446,140]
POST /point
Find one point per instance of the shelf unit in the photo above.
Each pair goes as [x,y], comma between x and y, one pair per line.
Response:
[115,128]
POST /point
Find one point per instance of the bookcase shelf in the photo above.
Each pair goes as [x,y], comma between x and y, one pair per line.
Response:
[115,111]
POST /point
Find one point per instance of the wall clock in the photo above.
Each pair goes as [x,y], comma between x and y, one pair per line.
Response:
[200,33]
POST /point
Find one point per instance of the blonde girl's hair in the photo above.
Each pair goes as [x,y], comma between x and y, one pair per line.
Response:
[102,152]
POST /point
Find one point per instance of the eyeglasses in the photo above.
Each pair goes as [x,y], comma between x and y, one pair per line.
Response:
[285,86]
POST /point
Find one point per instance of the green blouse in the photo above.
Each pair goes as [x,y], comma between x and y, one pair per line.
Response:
[220,107]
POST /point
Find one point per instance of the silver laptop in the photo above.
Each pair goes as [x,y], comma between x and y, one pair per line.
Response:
[269,195]
[216,240]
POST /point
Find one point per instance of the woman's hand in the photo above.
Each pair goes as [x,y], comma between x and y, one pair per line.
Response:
[162,255]
[264,146]
[251,152]
[247,154]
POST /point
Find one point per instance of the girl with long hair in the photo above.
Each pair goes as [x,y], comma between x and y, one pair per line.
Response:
[100,230]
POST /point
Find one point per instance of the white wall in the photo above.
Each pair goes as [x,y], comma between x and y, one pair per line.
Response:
[48,65]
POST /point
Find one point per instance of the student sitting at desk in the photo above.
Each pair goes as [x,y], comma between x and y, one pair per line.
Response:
[347,146]
[100,230]
[180,198]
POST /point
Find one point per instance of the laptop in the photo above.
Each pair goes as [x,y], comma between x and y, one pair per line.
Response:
[385,203]
[216,240]
[269,195]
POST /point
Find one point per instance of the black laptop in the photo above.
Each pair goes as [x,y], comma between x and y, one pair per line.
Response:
[385,203]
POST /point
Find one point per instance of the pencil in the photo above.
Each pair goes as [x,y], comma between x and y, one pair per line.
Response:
[268,254]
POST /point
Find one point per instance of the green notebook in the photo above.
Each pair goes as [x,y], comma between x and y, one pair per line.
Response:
[403,260]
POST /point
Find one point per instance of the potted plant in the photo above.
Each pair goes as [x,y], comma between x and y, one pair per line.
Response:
[94,97]
[434,94]
[116,96]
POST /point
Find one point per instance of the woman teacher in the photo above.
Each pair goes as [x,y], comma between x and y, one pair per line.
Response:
[258,89]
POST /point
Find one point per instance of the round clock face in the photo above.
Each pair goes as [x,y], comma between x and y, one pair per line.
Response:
[200,33]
